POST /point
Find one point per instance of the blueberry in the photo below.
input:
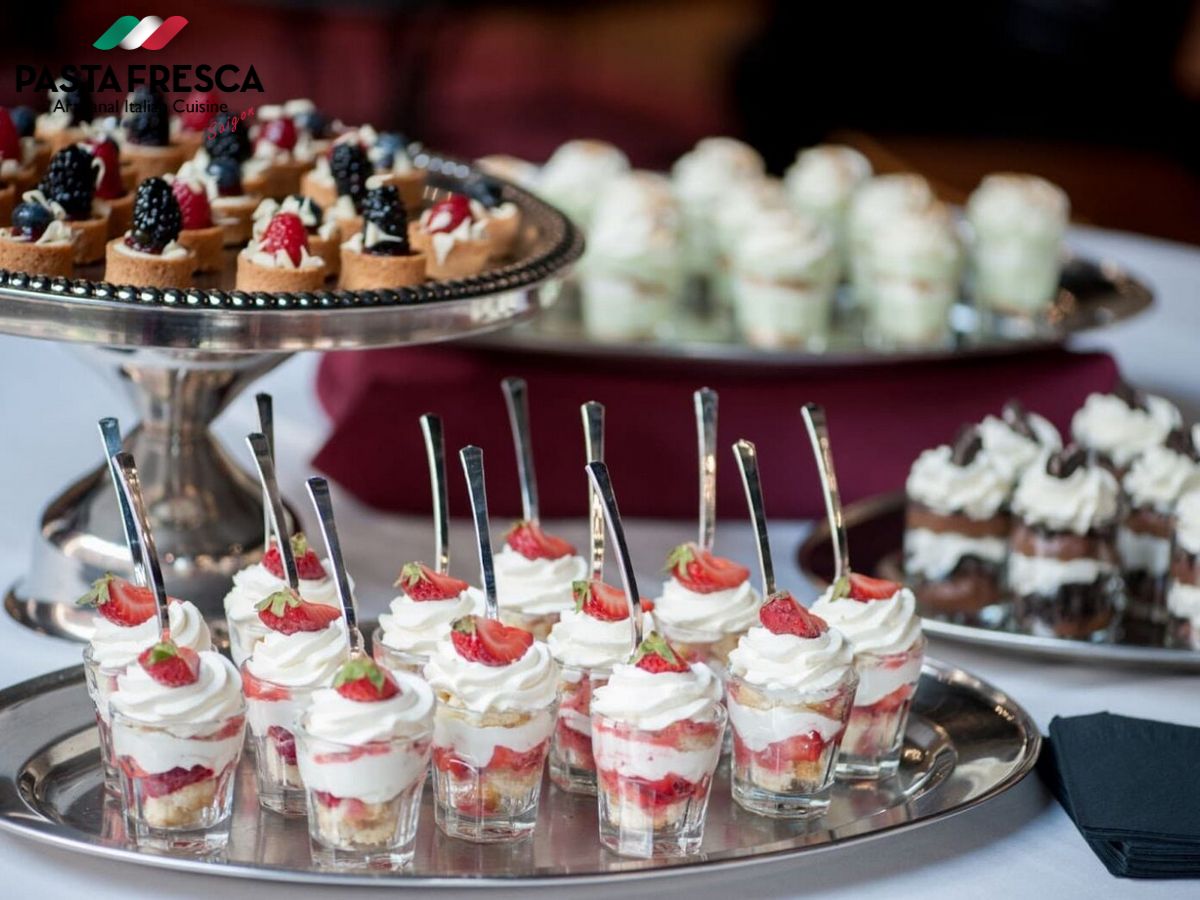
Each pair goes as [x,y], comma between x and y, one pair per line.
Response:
[23,119]
[227,172]
[314,122]
[31,219]
[387,145]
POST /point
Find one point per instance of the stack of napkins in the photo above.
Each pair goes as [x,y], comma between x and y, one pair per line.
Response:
[1132,787]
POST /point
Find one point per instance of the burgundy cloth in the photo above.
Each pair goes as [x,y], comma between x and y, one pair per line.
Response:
[880,418]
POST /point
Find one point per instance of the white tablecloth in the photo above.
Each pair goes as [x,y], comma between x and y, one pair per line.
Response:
[1022,844]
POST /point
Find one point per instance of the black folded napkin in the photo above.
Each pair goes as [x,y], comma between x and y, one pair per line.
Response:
[1132,787]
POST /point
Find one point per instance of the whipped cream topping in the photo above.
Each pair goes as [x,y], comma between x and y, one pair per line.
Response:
[280,259]
[785,246]
[881,199]
[416,626]
[116,646]
[215,695]
[978,489]
[256,582]
[1159,477]
[635,230]
[789,662]
[1088,498]
[172,250]
[343,208]
[583,642]
[1025,207]
[576,175]
[332,717]
[916,244]
[1187,522]
[526,684]
[687,616]
[1012,452]
[443,242]
[1045,575]
[705,174]
[1108,424]
[303,207]
[652,701]
[935,554]
[744,207]
[823,178]
[537,587]
[880,627]
[304,659]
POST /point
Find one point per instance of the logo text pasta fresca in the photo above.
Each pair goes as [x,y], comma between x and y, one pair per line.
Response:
[148,33]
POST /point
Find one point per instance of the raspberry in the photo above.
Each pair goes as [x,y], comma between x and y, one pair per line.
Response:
[285,232]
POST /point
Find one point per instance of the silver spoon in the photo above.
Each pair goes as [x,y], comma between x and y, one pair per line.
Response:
[602,484]
[435,453]
[747,458]
[516,397]
[131,490]
[266,426]
[110,435]
[318,490]
[261,448]
[818,433]
[705,401]
[593,442]
[472,463]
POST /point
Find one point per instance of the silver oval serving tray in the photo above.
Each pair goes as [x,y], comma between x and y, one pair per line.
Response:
[876,527]
[1092,294]
[967,742]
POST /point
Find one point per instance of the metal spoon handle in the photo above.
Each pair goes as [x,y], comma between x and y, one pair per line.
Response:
[593,442]
[705,401]
[516,396]
[261,449]
[266,426]
[747,459]
[110,434]
[472,463]
[818,433]
[602,484]
[318,490]
[435,453]
[130,487]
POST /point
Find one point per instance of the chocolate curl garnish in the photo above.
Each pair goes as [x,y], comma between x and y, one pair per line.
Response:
[966,446]
[1016,417]
[1132,397]
[1063,463]
[1180,440]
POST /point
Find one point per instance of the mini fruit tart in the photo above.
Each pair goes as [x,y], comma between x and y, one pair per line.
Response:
[389,155]
[150,252]
[232,207]
[380,256]
[188,128]
[323,237]
[39,241]
[17,157]
[200,233]
[148,148]
[349,168]
[501,218]
[279,259]
[277,154]
[24,120]
[113,195]
[455,242]
[71,183]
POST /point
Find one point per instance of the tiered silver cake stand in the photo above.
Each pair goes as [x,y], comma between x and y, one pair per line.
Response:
[183,355]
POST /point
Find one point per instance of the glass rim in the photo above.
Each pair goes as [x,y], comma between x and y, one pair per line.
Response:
[921,642]
[465,711]
[720,717]
[300,730]
[850,676]
[293,689]
[588,670]
[116,715]
[378,641]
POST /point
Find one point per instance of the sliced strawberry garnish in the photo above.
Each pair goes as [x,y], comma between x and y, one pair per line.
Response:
[362,680]
[281,132]
[448,214]
[110,186]
[285,232]
[700,571]
[864,588]
[170,665]
[119,601]
[308,564]
[420,582]
[196,116]
[655,655]
[528,539]
[488,641]
[600,601]
[193,204]
[287,613]
[781,614]
[10,141]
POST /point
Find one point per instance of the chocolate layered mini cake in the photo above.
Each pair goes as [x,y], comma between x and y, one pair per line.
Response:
[1183,592]
[956,531]
[1062,564]
[1153,485]
[1120,426]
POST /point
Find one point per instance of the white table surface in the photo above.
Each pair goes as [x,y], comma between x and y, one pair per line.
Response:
[1021,844]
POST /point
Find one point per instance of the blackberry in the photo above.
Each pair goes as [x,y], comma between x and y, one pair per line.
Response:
[227,172]
[31,220]
[314,122]
[351,168]
[383,208]
[487,191]
[71,181]
[151,124]
[24,120]
[227,137]
[157,219]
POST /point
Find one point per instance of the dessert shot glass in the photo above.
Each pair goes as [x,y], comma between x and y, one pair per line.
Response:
[396,660]
[785,745]
[572,765]
[653,786]
[487,771]
[273,710]
[364,800]
[101,683]
[875,731]
[178,778]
